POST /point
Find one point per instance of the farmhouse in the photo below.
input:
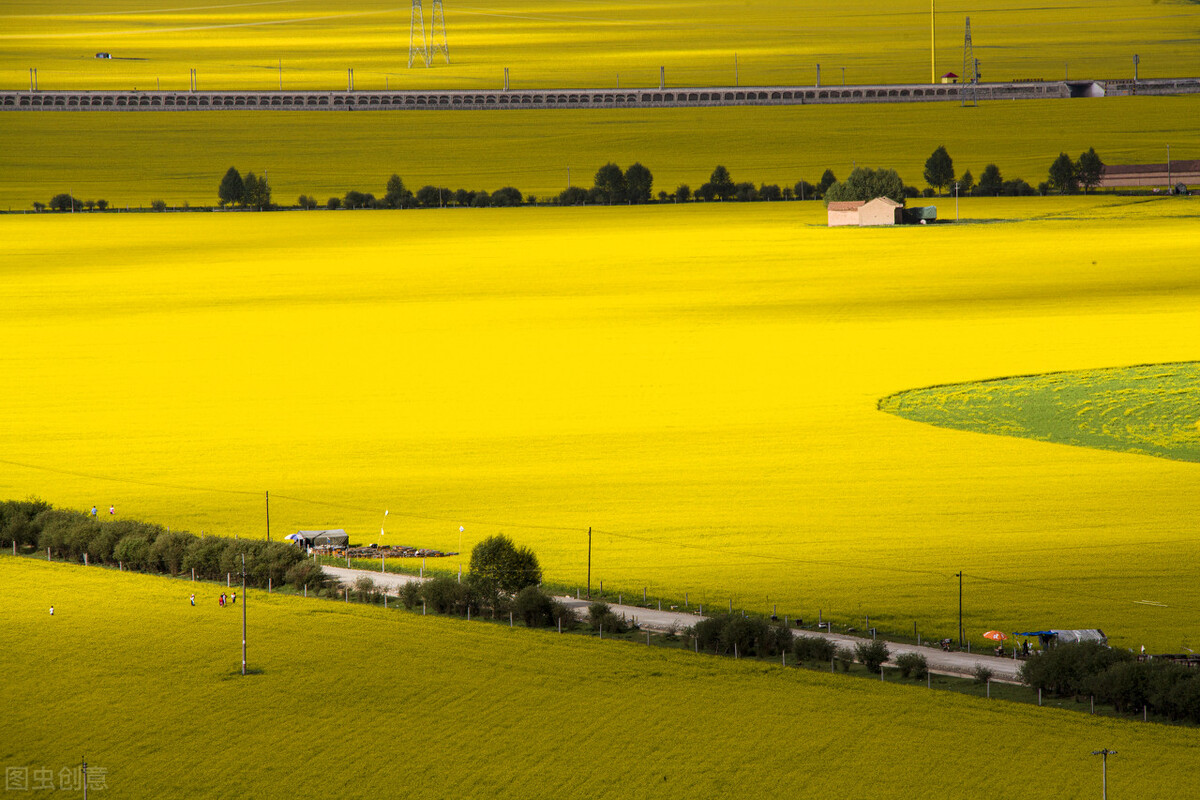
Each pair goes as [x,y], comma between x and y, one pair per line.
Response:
[880,211]
[1175,172]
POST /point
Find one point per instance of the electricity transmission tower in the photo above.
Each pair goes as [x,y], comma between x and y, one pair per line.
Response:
[437,32]
[970,71]
[417,20]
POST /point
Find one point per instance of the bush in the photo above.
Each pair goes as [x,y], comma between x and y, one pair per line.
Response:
[872,654]
[573,196]
[333,203]
[601,616]
[813,648]
[507,196]
[64,202]
[1064,670]
[204,556]
[307,575]
[912,665]
[158,205]
[410,594]
[708,632]
[444,594]
[844,657]
[169,550]
[133,551]
[564,615]
[747,634]
[534,607]
[982,673]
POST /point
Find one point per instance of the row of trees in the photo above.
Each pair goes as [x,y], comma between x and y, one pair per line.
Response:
[145,547]
[1115,677]
[249,192]
[1066,176]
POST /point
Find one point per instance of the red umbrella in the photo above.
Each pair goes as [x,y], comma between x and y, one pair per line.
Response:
[997,636]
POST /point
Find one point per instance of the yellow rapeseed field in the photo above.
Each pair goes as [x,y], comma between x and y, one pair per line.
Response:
[698,384]
[582,43]
[354,701]
[180,157]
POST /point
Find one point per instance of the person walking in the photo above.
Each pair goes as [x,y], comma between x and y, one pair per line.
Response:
[112,510]
[193,598]
[93,511]
[221,600]
[235,598]
[52,611]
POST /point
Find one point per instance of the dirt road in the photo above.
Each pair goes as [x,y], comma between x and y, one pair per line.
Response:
[939,661]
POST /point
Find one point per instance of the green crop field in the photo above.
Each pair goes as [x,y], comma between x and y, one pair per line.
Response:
[1152,409]
[583,43]
[180,157]
[356,701]
[698,383]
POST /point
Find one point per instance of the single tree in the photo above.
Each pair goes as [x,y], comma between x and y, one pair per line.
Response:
[638,182]
[396,195]
[1090,170]
[827,179]
[990,182]
[158,205]
[102,205]
[745,192]
[333,203]
[939,169]
[610,184]
[89,204]
[706,192]
[663,196]
[573,196]
[506,196]
[722,185]
[1063,178]
[683,193]
[232,188]
[63,202]
[38,207]
[966,183]
[498,565]
[429,197]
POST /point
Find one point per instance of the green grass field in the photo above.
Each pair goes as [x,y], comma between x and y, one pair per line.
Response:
[583,43]
[698,384]
[1153,409]
[180,157]
[357,701]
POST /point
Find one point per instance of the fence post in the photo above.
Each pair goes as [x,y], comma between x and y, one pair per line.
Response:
[735,652]
[268,585]
[989,688]
[647,638]
[510,619]
[1039,695]
[1093,699]
[881,672]
[85,560]
[306,590]
[193,573]
[601,630]
[227,583]
[47,553]
[422,608]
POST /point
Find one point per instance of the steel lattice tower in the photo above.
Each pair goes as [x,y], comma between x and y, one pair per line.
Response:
[417,20]
[437,32]
[969,75]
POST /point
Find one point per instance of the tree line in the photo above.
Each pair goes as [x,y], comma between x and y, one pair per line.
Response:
[612,185]
[1115,677]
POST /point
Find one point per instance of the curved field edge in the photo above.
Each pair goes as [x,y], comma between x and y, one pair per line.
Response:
[1149,409]
[350,700]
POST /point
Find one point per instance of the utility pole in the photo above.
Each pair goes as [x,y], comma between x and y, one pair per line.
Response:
[959,575]
[818,76]
[83,775]
[268,494]
[1136,61]
[735,71]
[589,562]
[243,613]
[932,46]
[1104,754]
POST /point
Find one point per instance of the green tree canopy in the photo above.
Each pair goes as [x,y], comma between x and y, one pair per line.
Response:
[867,184]
[966,183]
[990,182]
[498,565]
[1063,178]
[1089,169]
[827,179]
[939,169]
[232,189]
[638,183]
[722,185]
[610,184]
[256,192]
[396,195]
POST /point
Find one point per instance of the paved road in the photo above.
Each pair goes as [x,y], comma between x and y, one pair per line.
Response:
[939,661]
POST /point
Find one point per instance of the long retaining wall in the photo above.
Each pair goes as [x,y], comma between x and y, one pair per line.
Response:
[577,98]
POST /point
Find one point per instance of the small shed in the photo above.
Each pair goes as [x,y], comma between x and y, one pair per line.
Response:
[335,537]
[881,211]
[949,77]
[103,55]
[844,212]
